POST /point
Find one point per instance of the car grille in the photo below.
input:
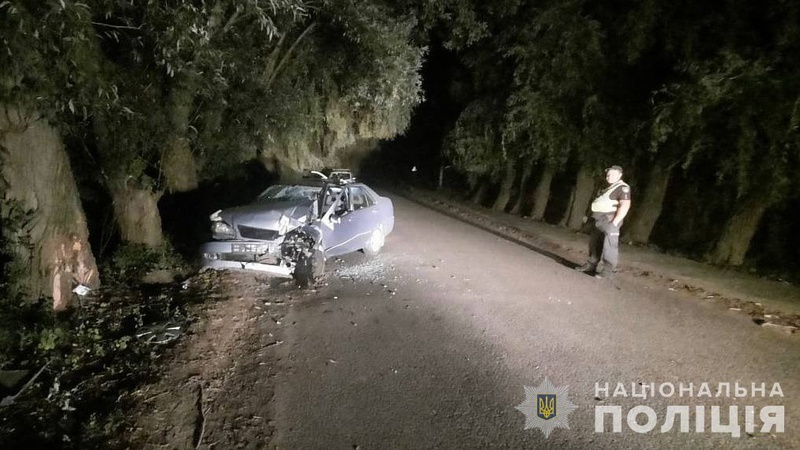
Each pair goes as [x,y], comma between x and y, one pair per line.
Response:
[257,233]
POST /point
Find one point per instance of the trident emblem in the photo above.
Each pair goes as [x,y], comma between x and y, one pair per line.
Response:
[546,406]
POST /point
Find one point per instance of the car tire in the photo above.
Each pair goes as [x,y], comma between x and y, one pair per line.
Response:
[309,268]
[375,242]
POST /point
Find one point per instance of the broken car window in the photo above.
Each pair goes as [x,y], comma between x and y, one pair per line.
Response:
[282,193]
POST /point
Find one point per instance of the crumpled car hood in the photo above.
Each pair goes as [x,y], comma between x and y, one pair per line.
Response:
[265,215]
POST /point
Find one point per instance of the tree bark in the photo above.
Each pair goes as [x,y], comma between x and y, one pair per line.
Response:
[504,195]
[541,194]
[526,174]
[136,211]
[52,244]
[480,192]
[568,211]
[734,241]
[134,201]
[177,160]
[647,211]
[584,189]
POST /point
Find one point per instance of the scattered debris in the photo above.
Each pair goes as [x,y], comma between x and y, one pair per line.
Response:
[82,290]
[788,329]
[368,270]
[160,332]
[9,400]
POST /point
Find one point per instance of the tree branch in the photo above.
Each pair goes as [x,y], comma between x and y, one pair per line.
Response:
[122,27]
[288,53]
[231,21]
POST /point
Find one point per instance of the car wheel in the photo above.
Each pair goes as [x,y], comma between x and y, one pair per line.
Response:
[375,242]
[309,268]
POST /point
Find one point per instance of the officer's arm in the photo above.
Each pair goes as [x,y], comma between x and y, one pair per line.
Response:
[622,211]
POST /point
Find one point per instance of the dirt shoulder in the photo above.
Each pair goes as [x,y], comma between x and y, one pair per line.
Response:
[770,303]
[217,385]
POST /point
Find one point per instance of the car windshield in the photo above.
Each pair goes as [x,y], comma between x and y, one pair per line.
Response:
[282,193]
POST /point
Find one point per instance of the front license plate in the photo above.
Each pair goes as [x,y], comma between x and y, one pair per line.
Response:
[250,248]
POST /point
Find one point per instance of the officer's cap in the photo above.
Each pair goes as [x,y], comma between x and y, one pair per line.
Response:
[617,168]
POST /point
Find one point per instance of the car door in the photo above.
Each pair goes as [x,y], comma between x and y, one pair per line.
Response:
[362,217]
[337,230]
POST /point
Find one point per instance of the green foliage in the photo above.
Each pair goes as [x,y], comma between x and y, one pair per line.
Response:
[475,144]
[31,336]
[132,261]
[13,238]
[46,51]
[547,71]
[352,76]
[93,361]
[742,109]
[92,357]
[559,61]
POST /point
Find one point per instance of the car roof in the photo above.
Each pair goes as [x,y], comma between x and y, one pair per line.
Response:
[314,182]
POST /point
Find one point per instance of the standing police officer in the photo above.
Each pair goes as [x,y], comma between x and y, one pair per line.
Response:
[608,210]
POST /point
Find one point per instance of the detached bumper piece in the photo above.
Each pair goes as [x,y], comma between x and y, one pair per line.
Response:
[234,265]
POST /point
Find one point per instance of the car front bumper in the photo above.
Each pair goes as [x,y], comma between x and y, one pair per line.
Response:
[244,255]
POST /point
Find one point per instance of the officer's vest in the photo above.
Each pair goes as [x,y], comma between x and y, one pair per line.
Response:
[604,203]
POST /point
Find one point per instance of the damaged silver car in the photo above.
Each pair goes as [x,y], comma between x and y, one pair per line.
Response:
[291,229]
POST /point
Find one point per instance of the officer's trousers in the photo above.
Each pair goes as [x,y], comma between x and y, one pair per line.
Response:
[604,242]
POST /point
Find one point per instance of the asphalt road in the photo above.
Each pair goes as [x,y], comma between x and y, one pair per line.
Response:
[429,345]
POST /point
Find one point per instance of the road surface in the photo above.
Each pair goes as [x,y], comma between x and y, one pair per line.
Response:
[430,345]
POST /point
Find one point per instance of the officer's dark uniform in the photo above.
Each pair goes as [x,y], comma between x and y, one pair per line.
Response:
[604,240]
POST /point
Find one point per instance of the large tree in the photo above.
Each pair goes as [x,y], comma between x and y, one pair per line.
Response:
[46,80]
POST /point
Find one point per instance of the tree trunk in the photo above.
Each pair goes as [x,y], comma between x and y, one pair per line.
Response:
[584,189]
[504,195]
[738,232]
[541,194]
[52,244]
[648,209]
[526,174]
[136,211]
[568,211]
[134,202]
[472,181]
[177,160]
[480,192]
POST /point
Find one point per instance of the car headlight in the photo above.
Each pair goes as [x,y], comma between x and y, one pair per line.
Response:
[221,230]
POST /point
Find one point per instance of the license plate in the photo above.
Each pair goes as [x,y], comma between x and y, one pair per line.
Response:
[250,248]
